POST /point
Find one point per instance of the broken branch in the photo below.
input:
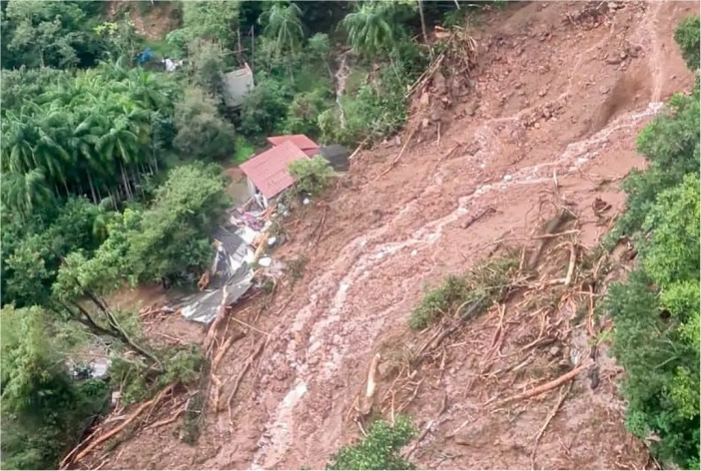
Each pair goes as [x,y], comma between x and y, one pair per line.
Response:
[132,418]
[545,387]
[563,394]
[242,373]
[401,152]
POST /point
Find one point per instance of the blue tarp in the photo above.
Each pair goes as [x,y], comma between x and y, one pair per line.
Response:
[145,56]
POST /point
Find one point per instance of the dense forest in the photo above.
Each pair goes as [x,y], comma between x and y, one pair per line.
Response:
[111,176]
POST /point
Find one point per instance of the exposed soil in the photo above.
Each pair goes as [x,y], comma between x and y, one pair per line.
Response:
[561,89]
[151,22]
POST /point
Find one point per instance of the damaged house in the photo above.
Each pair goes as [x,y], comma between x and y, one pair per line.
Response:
[267,173]
[230,275]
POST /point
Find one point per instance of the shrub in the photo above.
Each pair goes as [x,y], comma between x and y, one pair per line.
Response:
[379,449]
[202,133]
[687,36]
[312,175]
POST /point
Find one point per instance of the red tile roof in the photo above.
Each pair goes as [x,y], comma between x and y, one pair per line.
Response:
[300,140]
[268,170]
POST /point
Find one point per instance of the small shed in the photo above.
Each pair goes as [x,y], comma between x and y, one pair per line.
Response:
[238,84]
[268,173]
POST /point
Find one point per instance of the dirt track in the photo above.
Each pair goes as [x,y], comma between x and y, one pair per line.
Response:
[557,91]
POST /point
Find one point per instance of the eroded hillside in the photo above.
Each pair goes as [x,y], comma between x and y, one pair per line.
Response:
[549,116]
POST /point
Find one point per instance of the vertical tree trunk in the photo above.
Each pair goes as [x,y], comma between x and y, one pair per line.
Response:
[125,182]
[92,189]
[423,25]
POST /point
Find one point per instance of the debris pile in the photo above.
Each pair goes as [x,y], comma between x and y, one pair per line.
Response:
[239,262]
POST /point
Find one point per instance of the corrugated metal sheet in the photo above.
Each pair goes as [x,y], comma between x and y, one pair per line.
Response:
[268,170]
[229,269]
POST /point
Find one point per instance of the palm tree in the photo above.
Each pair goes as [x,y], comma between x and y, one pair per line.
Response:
[284,26]
[23,192]
[370,29]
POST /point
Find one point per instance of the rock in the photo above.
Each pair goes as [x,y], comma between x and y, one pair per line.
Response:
[425,99]
[537,125]
[554,350]
[543,92]
[614,59]
[546,113]
[603,89]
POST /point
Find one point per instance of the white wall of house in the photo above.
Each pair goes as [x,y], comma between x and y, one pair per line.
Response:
[254,193]
[251,188]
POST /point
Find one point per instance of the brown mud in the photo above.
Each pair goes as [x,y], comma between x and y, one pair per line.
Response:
[560,92]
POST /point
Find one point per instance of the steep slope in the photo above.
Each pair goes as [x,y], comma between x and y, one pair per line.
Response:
[560,93]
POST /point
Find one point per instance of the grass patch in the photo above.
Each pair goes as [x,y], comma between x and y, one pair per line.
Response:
[244,150]
[487,282]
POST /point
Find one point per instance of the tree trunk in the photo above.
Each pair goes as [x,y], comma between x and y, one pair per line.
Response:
[125,182]
[92,189]
[423,23]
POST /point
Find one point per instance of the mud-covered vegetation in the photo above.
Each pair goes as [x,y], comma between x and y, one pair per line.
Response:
[656,310]
[475,291]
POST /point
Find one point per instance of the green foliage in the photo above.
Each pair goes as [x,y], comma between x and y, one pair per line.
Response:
[687,37]
[265,107]
[29,250]
[671,145]
[26,84]
[379,449]
[121,37]
[283,27]
[672,251]
[201,133]
[484,284]
[171,238]
[137,383]
[304,110]
[372,28]
[210,21]
[656,311]
[49,34]
[84,136]
[44,410]
[378,108]
[312,175]
[206,63]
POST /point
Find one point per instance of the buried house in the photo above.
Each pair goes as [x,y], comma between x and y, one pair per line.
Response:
[268,173]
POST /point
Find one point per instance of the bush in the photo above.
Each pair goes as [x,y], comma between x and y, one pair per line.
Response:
[379,449]
[687,36]
[202,133]
[312,175]
[656,311]
[265,108]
